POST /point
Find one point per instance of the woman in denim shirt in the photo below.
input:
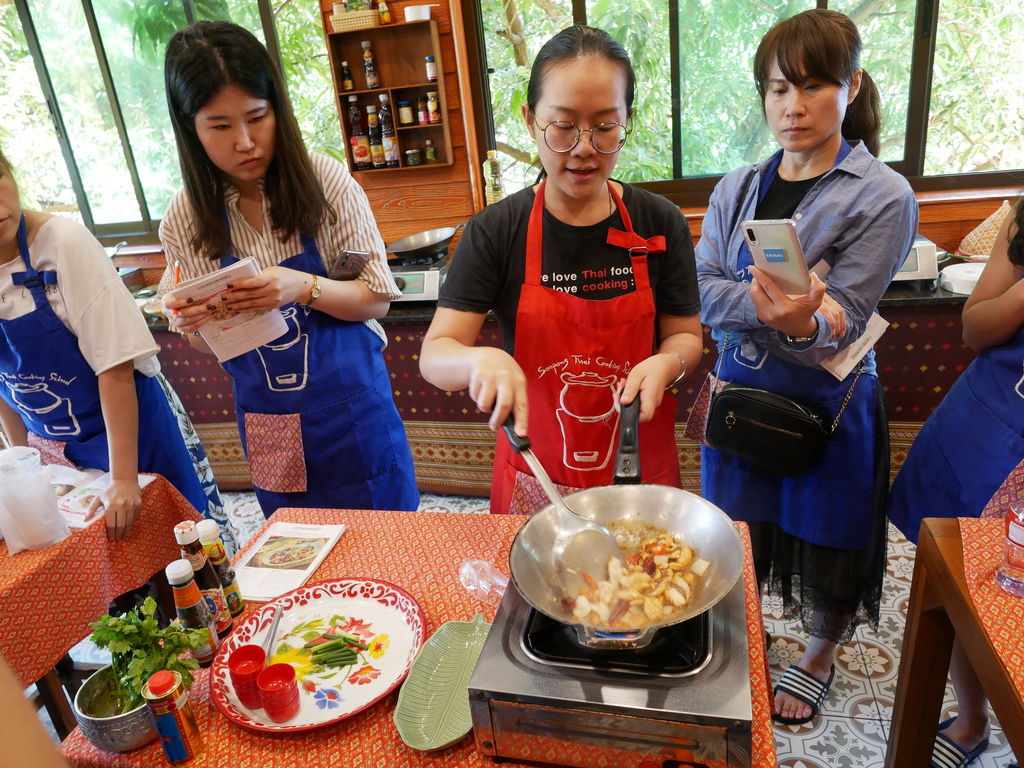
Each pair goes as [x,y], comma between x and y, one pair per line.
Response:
[819,539]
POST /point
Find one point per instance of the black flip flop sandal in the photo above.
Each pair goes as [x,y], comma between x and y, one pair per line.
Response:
[802,685]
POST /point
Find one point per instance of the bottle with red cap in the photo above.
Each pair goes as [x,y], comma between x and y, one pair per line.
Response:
[172,714]
[207,580]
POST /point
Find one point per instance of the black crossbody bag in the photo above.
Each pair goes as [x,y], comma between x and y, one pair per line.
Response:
[768,430]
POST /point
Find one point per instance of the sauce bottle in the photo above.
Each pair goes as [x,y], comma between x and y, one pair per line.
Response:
[191,608]
[347,83]
[206,578]
[1010,573]
[387,131]
[369,66]
[209,536]
[358,139]
[376,139]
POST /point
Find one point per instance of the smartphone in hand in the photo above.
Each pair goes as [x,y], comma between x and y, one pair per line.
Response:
[776,250]
[349,265]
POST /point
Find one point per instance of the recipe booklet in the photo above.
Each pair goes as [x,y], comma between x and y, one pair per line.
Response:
[284,558]
[231,335]
[75,503]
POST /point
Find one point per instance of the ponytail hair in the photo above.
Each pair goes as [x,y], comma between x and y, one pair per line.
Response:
[823,45]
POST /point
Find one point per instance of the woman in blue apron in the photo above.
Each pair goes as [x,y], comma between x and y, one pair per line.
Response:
[70,381]
[968,448]
[818,539]
[314,406]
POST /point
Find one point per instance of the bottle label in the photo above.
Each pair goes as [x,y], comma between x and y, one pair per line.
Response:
[186,595]
[215,551]
[377,153]
[360,150]
[218,606]
[390,150]
[1015,532]
[347,84]
[236,604]
[197,559]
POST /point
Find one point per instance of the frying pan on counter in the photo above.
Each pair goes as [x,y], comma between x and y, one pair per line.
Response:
[422,248]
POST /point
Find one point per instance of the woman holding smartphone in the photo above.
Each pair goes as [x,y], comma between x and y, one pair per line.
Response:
[315,412]
[818,539]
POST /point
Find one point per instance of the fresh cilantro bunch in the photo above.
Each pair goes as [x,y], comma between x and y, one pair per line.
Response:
[139,647]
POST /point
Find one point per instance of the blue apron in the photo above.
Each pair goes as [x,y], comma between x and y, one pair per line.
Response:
[48,381]
[968,446]
[315,413]
[831,506]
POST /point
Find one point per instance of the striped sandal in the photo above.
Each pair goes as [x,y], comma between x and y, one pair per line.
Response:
[946,753]
[804,686]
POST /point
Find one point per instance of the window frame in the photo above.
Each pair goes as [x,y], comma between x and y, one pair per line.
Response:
[694,191]
[143,230]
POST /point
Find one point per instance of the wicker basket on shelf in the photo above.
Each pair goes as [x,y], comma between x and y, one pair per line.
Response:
[353,20]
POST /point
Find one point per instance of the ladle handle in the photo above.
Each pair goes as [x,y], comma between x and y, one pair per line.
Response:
[519,444]
[627,459]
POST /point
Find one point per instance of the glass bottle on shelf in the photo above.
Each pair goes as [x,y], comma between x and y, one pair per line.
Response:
[376,139]
[347,84]
[422,116]
[431,69]
[429,153]
[369,66]
[358,138]
[383,12]
[493,188]
[387,130]
[1010,573]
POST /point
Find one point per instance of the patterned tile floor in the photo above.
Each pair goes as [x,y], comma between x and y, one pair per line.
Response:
[854,725]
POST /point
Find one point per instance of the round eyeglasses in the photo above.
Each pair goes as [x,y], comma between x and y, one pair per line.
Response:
[562,136]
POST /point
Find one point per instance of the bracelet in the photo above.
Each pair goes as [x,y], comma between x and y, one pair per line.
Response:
[682,370]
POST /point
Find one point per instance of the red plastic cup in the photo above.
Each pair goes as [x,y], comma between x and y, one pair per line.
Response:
[244,666]
[279,692]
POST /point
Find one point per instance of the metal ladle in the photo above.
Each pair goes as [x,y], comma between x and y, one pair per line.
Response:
[580,545]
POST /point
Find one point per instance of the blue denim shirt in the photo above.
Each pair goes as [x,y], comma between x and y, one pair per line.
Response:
[861,217]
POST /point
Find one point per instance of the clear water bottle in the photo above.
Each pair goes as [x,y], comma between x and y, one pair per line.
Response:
[493,188]
[1010,574]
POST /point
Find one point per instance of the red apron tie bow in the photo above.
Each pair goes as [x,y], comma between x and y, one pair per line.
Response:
[631,240]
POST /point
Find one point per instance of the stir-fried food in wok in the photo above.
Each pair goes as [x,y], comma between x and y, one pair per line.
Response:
[660,576]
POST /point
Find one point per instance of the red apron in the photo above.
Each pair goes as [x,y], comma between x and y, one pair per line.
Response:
[573,352]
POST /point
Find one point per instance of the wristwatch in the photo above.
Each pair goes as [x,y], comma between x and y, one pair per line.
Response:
[314,291]
[803,339]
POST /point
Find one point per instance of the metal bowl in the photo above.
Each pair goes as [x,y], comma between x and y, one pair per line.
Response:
[695,521]
[118,733]
[423,247]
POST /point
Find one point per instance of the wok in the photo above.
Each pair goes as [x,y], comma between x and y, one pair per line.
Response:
[695,521]
[423,247]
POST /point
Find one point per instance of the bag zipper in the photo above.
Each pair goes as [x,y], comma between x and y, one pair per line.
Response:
[732,415]
[800,406]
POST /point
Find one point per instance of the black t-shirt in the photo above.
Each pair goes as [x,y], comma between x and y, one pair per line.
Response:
[783,197]
[488,267]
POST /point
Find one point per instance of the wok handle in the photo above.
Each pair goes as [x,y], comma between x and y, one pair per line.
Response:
[627,458]
[519,444]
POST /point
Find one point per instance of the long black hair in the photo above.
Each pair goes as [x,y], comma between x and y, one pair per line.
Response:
[823,45]
[1016,234]
[575,42]
[200,60]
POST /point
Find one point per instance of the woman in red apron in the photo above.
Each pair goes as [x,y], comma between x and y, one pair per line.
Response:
[592,282]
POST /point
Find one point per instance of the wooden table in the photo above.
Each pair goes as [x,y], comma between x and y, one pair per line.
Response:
[49,596]
[421,553]
[941,607]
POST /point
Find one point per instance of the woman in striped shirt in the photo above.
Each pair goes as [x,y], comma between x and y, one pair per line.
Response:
[315,412]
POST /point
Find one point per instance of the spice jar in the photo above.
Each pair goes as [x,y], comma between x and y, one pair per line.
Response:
[405,116]
[433,111]
[431,69]
[412,157]
[429,153]
[422,116]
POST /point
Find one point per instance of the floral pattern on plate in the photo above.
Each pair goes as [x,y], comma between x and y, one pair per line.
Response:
[384,617]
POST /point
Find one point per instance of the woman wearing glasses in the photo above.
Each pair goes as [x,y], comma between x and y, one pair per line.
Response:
[593,284]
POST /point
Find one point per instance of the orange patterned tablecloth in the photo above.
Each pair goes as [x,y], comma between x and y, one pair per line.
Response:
[49,596]
[420,552]
[1002,614]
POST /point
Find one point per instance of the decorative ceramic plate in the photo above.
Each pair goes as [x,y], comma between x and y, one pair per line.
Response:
[433,705]
[385,618]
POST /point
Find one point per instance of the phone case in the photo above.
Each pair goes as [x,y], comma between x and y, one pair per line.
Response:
[776,250]
[349,265]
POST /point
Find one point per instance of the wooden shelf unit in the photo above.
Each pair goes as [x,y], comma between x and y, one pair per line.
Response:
[399,52]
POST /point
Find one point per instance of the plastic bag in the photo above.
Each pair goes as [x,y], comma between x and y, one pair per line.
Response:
[483,580]
[29,517]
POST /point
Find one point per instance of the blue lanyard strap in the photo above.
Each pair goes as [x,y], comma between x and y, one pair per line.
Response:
[34,280]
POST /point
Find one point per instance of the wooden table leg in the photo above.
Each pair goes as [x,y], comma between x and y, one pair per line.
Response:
[924,666]
[51,696]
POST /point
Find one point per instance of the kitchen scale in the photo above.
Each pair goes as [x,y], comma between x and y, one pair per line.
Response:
[682,702]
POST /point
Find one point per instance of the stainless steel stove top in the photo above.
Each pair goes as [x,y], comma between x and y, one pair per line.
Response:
[526,708]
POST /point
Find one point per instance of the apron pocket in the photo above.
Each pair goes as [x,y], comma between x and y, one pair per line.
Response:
[277,462]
